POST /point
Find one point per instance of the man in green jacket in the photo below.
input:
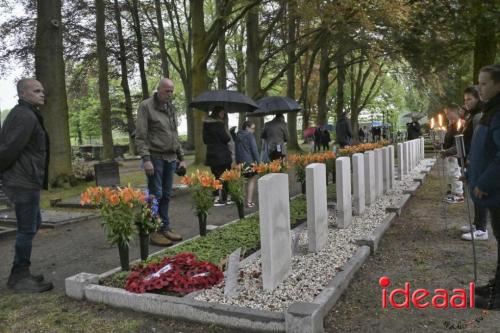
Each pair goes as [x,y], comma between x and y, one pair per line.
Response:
[158,144]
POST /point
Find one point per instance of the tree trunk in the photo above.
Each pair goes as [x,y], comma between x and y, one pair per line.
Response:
[161,40]
[124,80]
[107,138]
[200,73]
[253,64]
[485,42]
[50,71]
[324,69]
[140,54]
[221,54]
[290,76]
[341,71]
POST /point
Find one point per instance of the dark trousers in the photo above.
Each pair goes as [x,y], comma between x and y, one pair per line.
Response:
[325,146]
[480,215]
[217,171]
[27,207]
[160,185]
[317,146]
[495,224]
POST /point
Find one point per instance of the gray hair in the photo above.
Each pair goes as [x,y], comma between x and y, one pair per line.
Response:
[21,85]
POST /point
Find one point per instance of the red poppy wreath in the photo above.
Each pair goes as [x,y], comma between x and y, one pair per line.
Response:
[182,273]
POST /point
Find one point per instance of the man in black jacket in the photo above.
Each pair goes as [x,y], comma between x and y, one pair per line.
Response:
[24,160]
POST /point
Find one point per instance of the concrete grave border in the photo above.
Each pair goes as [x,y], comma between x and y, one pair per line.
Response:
[374,238]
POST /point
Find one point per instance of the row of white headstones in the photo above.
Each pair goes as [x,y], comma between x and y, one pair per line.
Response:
[373,174]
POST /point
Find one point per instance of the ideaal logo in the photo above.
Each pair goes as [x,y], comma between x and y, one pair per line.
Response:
[422,298]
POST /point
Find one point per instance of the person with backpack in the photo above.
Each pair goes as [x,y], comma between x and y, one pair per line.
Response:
[483,173]
[275,137]
[246,153]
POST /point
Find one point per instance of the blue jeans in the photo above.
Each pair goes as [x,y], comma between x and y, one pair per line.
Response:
[160,185]
[27,207]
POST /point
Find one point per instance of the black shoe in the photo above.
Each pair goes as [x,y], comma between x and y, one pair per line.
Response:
[491,302]
[13,278]
[28,284]
[485,290]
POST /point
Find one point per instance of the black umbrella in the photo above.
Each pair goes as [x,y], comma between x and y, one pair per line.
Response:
[231,101]
[274,105]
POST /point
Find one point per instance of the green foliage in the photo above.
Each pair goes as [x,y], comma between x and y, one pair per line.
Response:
[118,223]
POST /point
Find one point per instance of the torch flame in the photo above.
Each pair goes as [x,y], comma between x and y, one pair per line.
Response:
[459,125]
[440,120]
[432,123]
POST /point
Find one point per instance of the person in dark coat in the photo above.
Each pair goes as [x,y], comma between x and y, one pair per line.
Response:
[413,129]
[317,139]
[24,163]
[217,139]
[246,153]
[325,139]
[484,170]
[361,134]
[344,132]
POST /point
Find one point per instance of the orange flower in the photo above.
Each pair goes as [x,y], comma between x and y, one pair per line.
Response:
[85,198]
[187,180]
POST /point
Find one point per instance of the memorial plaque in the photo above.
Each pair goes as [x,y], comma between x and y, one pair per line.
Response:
[107,174]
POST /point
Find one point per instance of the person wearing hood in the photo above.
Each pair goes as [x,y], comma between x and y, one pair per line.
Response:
[218,157]
[483,173]
[247,154]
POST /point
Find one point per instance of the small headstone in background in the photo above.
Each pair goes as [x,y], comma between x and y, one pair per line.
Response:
[369,167]
[107,174]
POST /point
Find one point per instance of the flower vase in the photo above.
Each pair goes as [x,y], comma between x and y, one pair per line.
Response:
[124,259]
[144,244]
[202,221]
[241,210]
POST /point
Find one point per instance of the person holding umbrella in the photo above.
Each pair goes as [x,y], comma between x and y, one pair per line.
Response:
[217,139]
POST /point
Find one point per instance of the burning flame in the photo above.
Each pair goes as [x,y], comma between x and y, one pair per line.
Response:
[459,124]
[432,123]
[440,120]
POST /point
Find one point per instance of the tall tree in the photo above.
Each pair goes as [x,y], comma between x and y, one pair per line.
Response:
[50,71]
[486,40]
[124,79]
[102,59]
[161,40]
[134,10]
[290,73]
[324,83]
[221,51]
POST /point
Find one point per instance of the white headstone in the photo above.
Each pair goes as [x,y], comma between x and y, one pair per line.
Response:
[385,168]
[370,195]
[400,161]
[392,172]
[422,148]
[379,173]
[406,152]
[275,242]
[232,274]
[317,212]
[358,184]
[344,199]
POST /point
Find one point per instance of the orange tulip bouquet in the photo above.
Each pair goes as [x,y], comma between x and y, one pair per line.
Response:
[275,166]
[236,187]
[119,209]
[300,162]
[202,185]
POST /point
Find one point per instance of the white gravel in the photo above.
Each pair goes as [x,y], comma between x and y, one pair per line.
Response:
[311,272]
